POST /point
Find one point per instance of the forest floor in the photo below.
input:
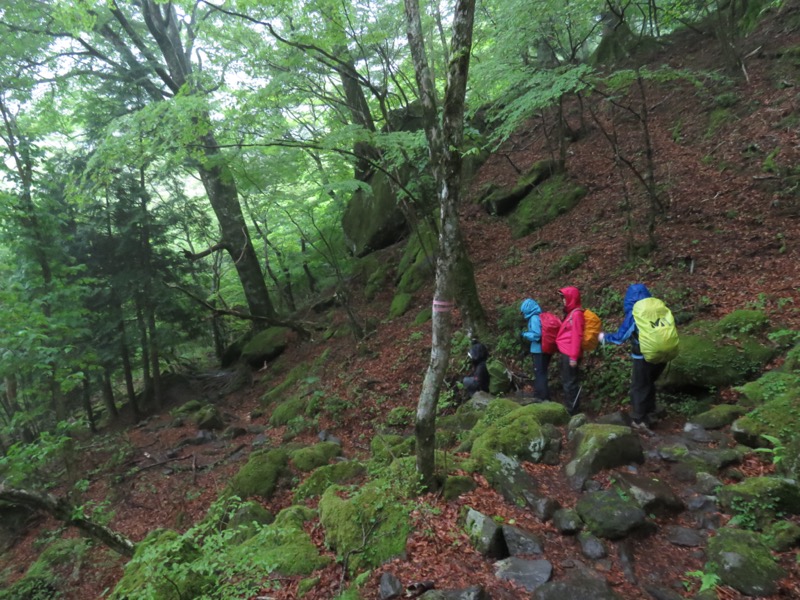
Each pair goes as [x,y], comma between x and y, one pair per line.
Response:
[729,239]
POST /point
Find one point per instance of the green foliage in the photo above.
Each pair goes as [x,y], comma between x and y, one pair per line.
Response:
[568,263]
[44,579]
[708,581]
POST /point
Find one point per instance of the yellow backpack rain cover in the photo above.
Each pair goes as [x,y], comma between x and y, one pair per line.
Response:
[658,337]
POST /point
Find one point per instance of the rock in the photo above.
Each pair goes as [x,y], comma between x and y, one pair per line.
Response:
[782,536]
[707,484]
[455,485]
[614,418]
[683,536]
[652,495]
[327,436]
[389,587]
[742,561]
[579,587]
[479,401]
[658,593]
[760,499]
[608,515]
[567,521]
[486,536]
[233,432]
[518,541]
[599,447]
[697,433]
[515,484]
[471,593]
[591,547]
[529,574]
[266,346]
[718,416]
[626,559]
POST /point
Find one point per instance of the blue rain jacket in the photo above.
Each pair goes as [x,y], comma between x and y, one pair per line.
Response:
[531,310]
[628,330]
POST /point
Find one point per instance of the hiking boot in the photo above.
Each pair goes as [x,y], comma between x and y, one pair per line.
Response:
[641,427]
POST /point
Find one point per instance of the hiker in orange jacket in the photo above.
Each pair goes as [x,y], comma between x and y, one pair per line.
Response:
[568,341]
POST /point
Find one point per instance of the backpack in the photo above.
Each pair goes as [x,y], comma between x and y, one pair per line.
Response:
[658,336]
[550,326]
[592,326]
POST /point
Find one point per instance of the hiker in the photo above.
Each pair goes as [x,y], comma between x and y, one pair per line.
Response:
[532,312]
[643,372]
[569,341]
[478,379]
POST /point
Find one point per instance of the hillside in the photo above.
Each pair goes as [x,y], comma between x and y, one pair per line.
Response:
[726,156]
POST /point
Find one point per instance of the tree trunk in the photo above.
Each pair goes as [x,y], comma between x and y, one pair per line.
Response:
[62,510]
[108,394]
[86,395]
[444,143]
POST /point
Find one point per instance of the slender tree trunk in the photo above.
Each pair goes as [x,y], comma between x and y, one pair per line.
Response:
[144,346]
[108,394]
[444,144]
[86,396]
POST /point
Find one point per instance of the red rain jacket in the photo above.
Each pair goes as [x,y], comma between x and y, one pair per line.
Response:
[570,334]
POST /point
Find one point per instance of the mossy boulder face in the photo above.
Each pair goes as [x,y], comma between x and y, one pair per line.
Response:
[502,200]
[282,547]
[496,409]
[260,476]
[418,263]
[719,354]
[374,271]
[741,560]
[456,485]
[758,501]
[308,459]
[400,304]
[209,418]
[247,520]
[599,447]
[772,385]
[373,219]
[188,408]
[340,472]
[288,410]
[525,433]
[266,345]
[145,577]
[609,515]
[374,512]
[545,203]
[778,418]
[718,416]
[782,536]
[387,447]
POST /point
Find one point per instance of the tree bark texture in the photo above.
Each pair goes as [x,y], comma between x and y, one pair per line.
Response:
[444,143]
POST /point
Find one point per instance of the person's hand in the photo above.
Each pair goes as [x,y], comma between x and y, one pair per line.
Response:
[573,363]
[601,337]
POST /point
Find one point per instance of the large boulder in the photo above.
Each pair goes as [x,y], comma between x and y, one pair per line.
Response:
[757,501]
[502,200]
[652,495]
[373,218]
[598,447]
[520,435]
[609,515]
[546,202]
[486,535]
[741,560]
[260,475]
[265,346]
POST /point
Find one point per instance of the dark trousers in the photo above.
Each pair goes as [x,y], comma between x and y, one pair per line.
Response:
[571,382]
[643,387]
[541,362]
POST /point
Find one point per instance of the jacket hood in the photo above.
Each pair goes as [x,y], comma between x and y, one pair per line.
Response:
[636,292]
[478,352]
[573,297]
[529,308]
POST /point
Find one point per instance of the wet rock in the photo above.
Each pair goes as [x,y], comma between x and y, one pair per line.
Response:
[529,574]
[697,433]
[707,484]
[579,587]
[718,416]
[742,561]
[591,546]
[567,521]
[486,536]
[608,515]
[652,495]
[684,536]
[389,587]
[518,541]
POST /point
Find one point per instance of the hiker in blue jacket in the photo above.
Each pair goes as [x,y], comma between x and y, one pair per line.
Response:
[530,310]
[644,374]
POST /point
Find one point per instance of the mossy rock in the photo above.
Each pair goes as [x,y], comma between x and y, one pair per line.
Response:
[372,521]
[757,501]
[770,386]
[741,560]
[209,418]
[400,304]
[306,585]
[609,515]
[290,380]
[266,345]
[502,200]
[340,472]
[44,579]
[718,416]
[376,273]
[546,202]
[145,572]
[288,410]
[308,459]
[792,362]
[188,408]
[495,410]
[260,476]
[247,520]
[782,536]
[456,485]
[418,263]
[707,361]
[386,447]
[599,447]
[743,322]
[423,316]
[373,219]
[778,418]
[295,516]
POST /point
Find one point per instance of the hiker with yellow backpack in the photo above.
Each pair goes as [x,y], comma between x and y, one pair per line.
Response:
[650,327]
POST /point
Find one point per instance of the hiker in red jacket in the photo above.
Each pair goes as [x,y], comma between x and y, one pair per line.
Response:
[568,341]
